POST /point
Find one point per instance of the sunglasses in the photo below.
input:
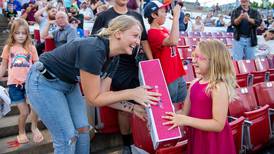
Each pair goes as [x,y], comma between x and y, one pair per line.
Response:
[198,57]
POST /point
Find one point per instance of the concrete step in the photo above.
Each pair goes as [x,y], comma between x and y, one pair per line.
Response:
[14,111]
[9,126]
[9,145]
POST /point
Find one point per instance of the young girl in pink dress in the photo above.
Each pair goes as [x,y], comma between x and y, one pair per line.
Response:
[206,106]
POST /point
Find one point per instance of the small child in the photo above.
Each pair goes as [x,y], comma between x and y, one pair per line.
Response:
[74,24]
[206,106]
[18,56]
[163,46]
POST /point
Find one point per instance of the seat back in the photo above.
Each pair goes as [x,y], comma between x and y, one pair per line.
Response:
[265,93]
[259,131]
[261,64]
[246,66]
[237,132]
[246,101]
[49,44]
[107,120]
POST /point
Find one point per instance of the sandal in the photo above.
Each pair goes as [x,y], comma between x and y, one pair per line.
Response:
[22,139]
[37,137]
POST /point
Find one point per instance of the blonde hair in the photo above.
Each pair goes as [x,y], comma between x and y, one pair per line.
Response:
[221,68]
[120,23]
[16,24]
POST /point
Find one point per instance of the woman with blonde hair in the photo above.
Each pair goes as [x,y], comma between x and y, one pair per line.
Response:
[53,83]
[206,106]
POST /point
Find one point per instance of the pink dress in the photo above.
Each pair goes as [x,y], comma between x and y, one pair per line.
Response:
[204,142]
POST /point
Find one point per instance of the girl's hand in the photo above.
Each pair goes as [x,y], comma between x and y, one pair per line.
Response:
[139,111]
[144,97]
[174,119]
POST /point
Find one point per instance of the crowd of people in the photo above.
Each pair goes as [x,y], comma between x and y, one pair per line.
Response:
[99,44]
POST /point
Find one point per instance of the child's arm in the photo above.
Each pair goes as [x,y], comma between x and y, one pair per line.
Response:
[173,38]
[219,114]
[3,67]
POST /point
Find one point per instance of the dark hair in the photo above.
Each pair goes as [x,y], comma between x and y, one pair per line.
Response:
[187,14]
[150,18]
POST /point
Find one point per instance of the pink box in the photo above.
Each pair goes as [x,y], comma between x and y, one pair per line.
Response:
[151,74]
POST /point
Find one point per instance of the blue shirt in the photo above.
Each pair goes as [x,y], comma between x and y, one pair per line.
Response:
[16,5]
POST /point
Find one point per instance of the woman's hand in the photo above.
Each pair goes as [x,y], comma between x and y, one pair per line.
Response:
[174,119]
[144,97]
[139,111]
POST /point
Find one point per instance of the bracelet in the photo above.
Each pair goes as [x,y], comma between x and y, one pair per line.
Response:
[132,109]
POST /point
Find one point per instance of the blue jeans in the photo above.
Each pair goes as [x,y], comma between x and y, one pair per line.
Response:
[177,90]
[17,93]
[62,109]
[242,49]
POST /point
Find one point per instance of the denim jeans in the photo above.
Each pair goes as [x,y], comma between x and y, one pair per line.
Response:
[177,90]
[242,49]
[62,109]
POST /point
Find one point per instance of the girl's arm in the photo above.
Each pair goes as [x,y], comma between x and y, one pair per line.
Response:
[91,85]
[219,114]
[125,106]
[3,67]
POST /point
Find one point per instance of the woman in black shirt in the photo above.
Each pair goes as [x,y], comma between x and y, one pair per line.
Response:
[53,89]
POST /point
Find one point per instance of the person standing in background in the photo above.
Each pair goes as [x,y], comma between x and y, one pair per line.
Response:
[245,21]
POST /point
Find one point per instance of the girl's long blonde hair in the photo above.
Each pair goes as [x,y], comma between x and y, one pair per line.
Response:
[16,24]
[120,23]
[221,68]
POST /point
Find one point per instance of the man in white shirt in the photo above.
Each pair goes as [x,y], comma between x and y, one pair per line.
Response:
[88,16]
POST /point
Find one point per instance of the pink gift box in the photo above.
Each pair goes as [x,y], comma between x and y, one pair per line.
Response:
[151,74]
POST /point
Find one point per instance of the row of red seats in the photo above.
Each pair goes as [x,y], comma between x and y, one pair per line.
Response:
[248,72]
[207,34]
[252,128]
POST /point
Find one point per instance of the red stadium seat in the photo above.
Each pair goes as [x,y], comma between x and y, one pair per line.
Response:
[257,130]
[185,53]
[227,35]
[229,42]
[190,74]
[141,140]
[217,34]
[236,67]
[265,93]
[49,44]
[107,120]
[237,132]
[248,66]
[184,34]
[261,64]
[191,42]
[180,148]
[222,39]
[37,37]
[194,34]
[206,34]
[243,80]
